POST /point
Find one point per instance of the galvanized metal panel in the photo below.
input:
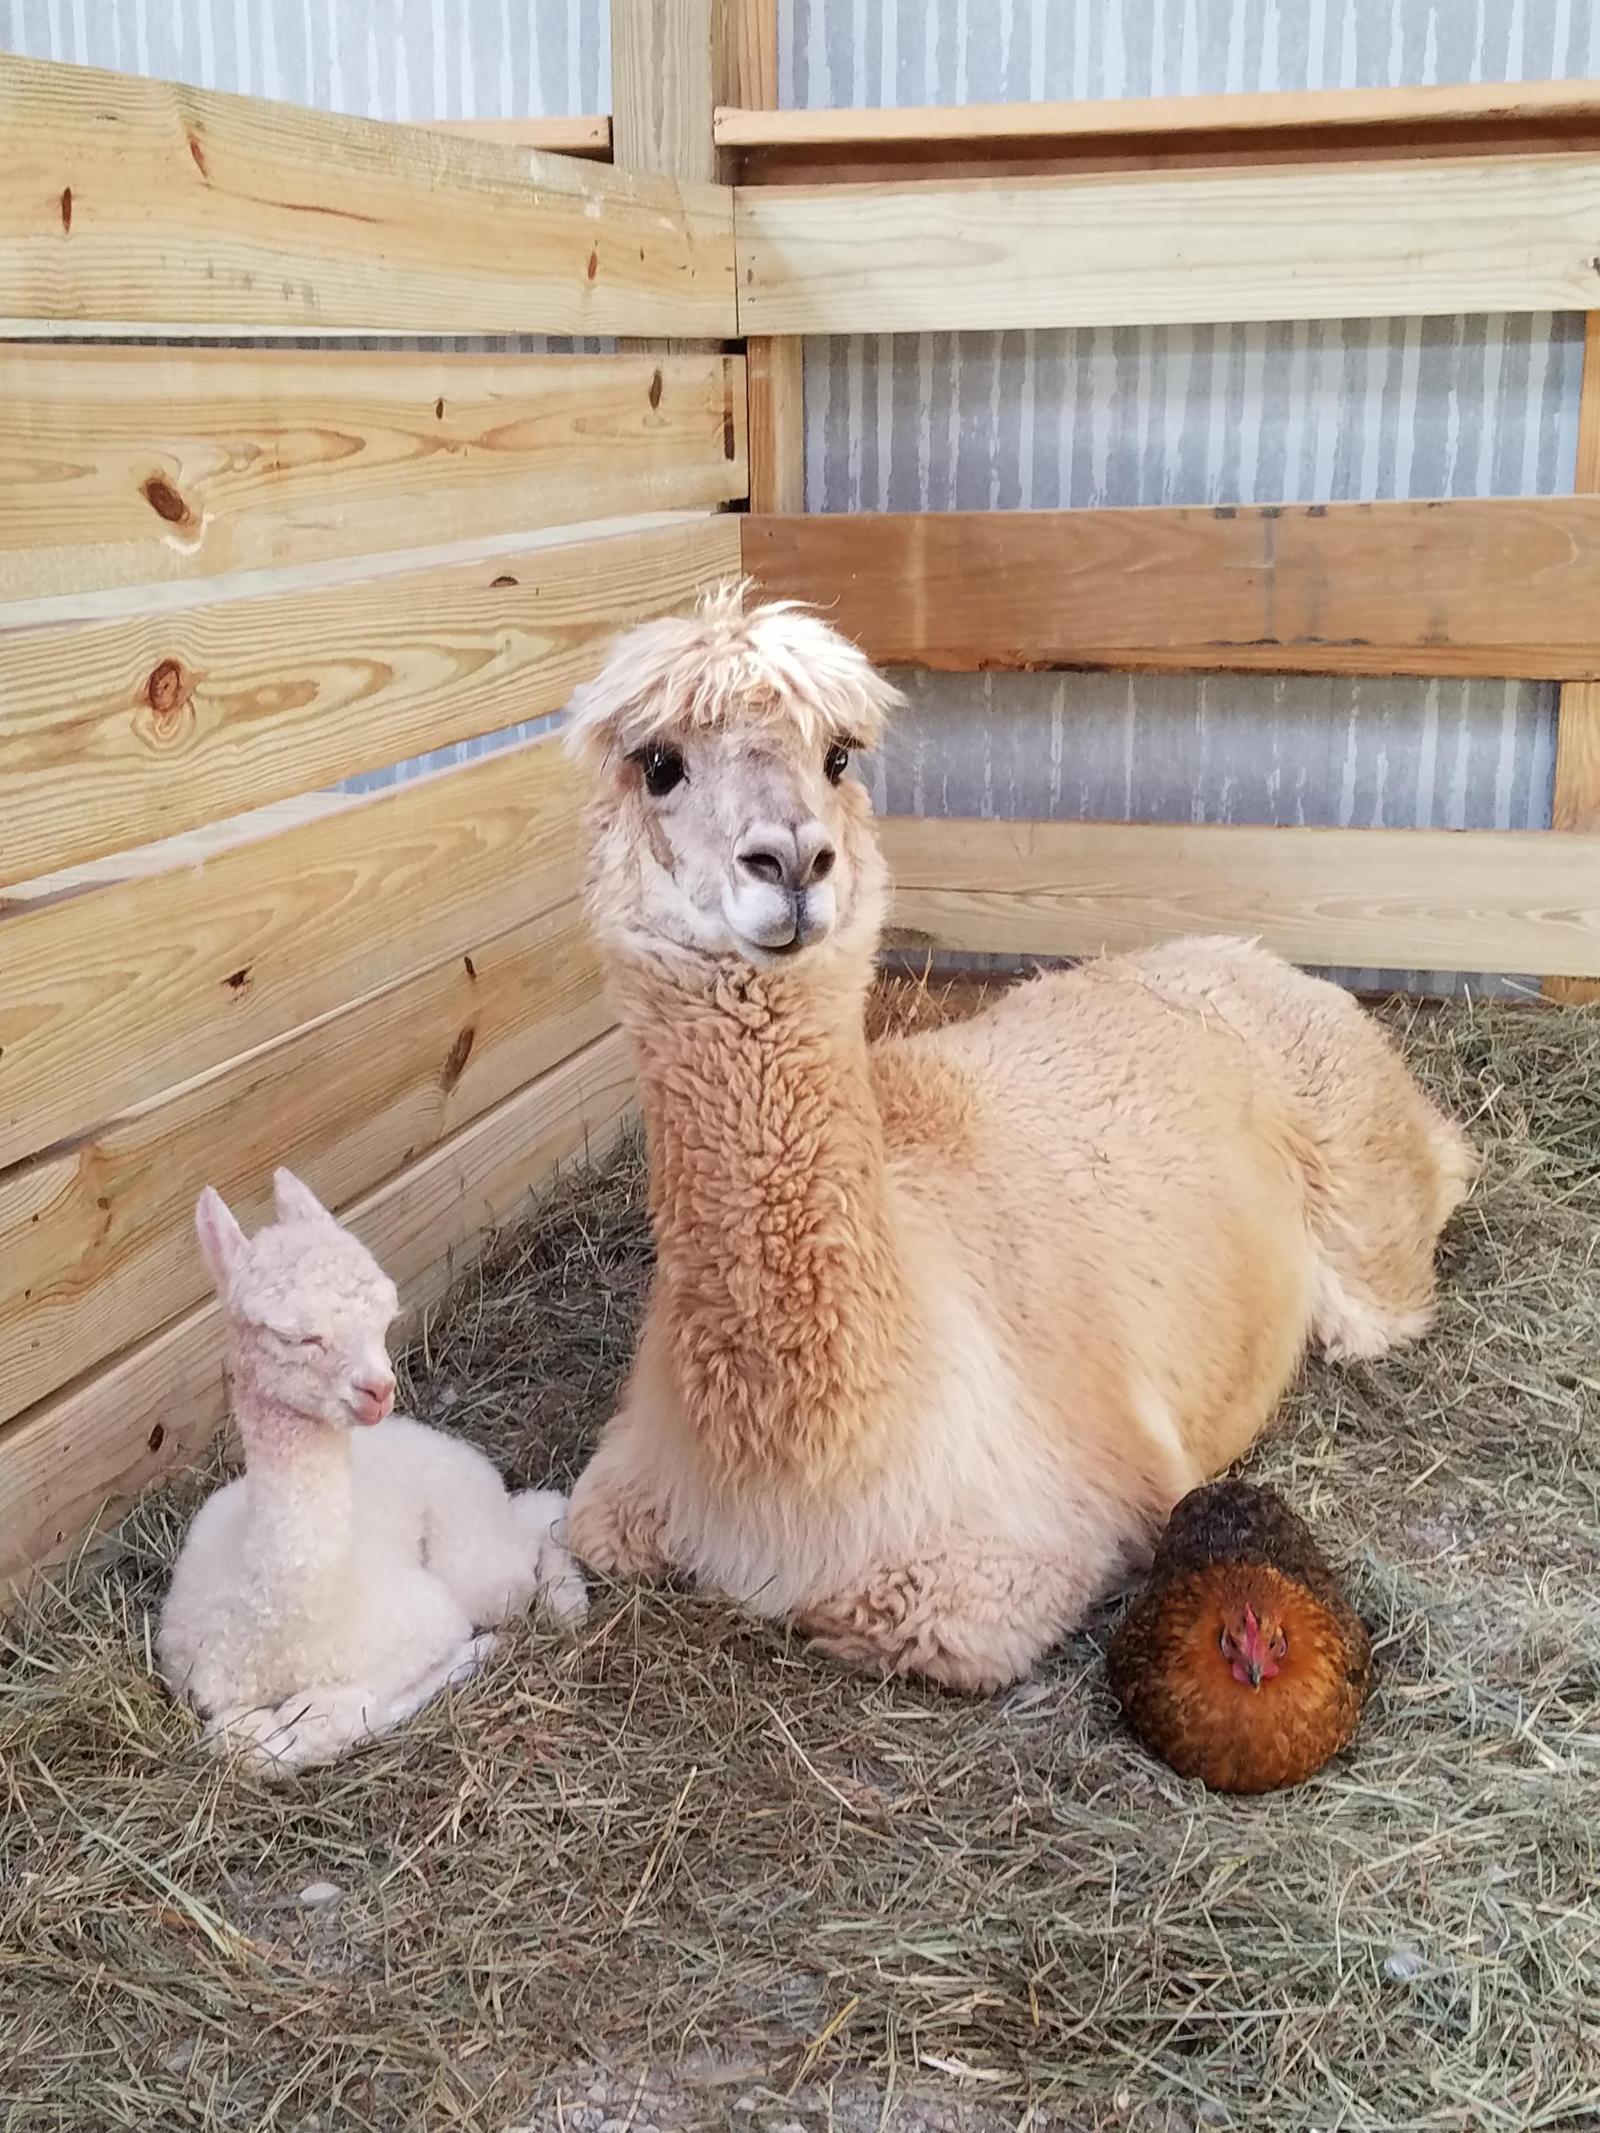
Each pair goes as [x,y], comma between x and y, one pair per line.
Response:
[934,422]
[1197,415]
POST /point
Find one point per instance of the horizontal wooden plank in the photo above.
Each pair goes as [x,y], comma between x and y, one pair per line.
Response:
[589,135]
[97,1241]
[114,996]
[133,466]
[1485,105]
[1162,132]
[115,734]
[81,1459]
[1485,900]
[1503,586]
[189,849]
[127,204]
[1310,241]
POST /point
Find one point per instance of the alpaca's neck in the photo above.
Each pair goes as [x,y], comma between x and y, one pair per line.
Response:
[781,1299]
[301,1498]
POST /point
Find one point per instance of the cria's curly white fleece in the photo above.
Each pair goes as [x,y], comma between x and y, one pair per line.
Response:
[338,1585]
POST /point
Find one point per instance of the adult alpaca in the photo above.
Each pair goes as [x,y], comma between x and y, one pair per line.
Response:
[942,1329]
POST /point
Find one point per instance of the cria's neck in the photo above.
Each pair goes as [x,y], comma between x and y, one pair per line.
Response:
[301,1490]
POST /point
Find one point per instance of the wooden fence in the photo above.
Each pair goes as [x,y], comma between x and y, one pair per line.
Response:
[232,579]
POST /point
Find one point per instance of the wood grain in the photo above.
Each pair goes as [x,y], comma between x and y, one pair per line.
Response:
[1487,106]
[1311,241]
[114,734]
[127,204]
[137,466]
[112,997]
[1485,900]
[1155,133]
[1500,587]
[775,369]
[1576,802]
[586,136]
[82,1458]
[745,35]
[97,1240]
[662,86]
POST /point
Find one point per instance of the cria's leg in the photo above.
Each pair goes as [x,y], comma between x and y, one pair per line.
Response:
[970,1620]
[319,1725]
[613,1523]
[541,1515]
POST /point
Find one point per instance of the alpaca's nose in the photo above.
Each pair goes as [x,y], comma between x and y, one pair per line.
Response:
[374,1391]
[787,858]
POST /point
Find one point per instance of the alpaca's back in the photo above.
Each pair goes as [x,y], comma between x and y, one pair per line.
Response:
[1165,1171]
[1384,1167]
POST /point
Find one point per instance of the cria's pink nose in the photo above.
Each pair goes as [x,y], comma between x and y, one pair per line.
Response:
[374,1398]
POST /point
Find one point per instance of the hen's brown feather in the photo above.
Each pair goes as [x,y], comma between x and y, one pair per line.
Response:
[1227,1546]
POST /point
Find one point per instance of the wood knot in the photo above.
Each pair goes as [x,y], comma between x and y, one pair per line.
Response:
[505,578]
[157,1437]
[655,388]
[594,264]
[199,156]
[237,980]
[66,210]
[456,1058]
[164,500]
[168,689]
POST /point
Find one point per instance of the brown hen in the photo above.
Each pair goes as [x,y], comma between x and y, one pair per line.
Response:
[1241,1662]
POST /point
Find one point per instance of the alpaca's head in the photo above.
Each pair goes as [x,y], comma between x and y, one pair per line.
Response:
[309,1309]
[725,821]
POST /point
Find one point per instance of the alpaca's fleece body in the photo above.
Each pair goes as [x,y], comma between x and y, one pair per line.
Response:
[339,1583]
[943,1329]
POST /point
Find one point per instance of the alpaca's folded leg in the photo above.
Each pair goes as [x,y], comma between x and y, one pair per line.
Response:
[612,1523]
[970,1620]
[319,1725]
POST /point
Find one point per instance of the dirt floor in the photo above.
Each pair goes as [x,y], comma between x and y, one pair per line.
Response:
[682,1874]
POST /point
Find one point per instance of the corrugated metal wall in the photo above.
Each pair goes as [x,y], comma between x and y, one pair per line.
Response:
[384,59]
[934,422]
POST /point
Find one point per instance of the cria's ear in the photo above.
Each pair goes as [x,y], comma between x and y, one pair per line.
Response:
[221,1238]
[295,1201]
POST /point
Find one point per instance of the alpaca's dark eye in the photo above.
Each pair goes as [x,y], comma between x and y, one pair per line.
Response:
[836,762]
[663,768]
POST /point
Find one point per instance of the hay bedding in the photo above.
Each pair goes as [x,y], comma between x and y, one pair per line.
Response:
[682,1875]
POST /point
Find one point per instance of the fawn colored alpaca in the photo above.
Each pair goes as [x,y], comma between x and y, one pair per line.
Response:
[338,1585]
[943,1328]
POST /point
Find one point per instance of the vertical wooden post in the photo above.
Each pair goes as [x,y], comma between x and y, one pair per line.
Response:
[663,86]
[1577,793]
[774,378]
[672,63]
[663,91]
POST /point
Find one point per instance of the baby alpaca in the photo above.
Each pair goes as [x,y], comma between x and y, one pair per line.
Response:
[340,1583]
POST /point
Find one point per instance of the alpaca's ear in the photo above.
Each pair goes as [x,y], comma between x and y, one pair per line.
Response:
[296,1202]
[221,1238]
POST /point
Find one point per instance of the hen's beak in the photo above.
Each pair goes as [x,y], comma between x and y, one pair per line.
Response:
[1252,1668]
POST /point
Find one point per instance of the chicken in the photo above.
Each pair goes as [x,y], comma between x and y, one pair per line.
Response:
[1241,1662]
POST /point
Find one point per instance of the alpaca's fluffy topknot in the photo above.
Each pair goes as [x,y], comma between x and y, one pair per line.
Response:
[776,665]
